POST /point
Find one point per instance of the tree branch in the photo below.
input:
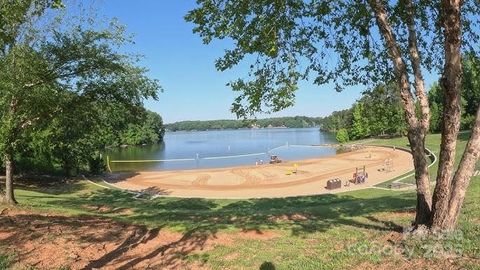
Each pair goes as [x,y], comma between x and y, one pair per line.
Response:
[398,62]
[416,66]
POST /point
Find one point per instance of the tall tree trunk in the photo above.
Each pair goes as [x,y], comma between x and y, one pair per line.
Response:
[2,195]
[462,177]
[451,83]
[417,141]
[424,199]
[9,195]
[67,168]
[446,218]
[416,128]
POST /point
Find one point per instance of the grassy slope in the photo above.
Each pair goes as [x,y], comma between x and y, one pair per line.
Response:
[432,143]
[317,230]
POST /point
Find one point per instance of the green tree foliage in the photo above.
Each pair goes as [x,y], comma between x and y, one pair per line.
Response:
[55,83]
[290,41]
[147,132]
[377,112]
[360,128]
[471,89]
[435,100]
[336,121]
[342,136]
[74,142]
[382,112]
[207,125]
[288,122]
[470,96]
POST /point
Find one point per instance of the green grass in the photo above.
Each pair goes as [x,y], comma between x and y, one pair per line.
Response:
[335,226]
[6,260]
[433,143]
[182,214]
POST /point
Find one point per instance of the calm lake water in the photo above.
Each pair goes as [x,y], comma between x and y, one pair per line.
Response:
[223,148]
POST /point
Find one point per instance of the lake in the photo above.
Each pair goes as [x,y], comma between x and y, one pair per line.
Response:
[222,148]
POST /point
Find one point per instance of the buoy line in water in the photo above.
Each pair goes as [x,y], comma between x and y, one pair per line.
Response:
[221,157]
[235,156]
[214,157]
[194,159]
[151,160]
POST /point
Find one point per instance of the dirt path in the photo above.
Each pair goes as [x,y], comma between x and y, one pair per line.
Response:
[47,241]
[276,180]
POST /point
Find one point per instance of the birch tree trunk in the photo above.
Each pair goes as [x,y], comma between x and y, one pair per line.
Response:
[417,141]
[462,179]
[450,83]
[416,128]
[424,197]
[446,217]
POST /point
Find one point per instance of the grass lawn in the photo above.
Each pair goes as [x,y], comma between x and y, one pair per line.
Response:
[432,143]
[360,229]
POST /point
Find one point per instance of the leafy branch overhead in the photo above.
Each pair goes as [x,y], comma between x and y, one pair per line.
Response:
[366,42]
[286,41]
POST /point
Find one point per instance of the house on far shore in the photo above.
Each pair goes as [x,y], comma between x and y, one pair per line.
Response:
[271,126]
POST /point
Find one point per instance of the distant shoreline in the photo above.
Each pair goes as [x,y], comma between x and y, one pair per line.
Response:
[278,122]
[232,129]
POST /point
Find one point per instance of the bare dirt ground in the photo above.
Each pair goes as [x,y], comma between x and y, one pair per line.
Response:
[307,177]
[47,241]
[51,241]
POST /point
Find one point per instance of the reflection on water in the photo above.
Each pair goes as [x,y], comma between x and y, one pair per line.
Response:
[206,149]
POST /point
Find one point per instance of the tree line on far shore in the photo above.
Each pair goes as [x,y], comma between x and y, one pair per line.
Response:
[379,111]
[277,122]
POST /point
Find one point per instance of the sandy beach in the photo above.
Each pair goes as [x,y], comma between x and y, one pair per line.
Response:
[295,178]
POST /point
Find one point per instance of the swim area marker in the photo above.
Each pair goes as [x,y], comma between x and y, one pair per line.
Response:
[235,156]
[151,160]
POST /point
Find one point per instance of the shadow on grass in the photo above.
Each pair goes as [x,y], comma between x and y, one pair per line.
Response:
[464,136]
[52,185]
[119,176]
[200,219]
[267,266]
[300,214]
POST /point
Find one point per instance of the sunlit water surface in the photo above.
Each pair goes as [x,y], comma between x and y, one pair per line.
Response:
[223,148]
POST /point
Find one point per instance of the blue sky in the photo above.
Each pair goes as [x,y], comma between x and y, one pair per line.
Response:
[193,88]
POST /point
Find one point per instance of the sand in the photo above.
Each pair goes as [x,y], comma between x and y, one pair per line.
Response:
[272,180]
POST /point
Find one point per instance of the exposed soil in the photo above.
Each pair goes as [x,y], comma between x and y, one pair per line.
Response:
[48,241]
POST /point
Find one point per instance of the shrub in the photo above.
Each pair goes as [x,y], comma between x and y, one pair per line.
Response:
[342,136]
